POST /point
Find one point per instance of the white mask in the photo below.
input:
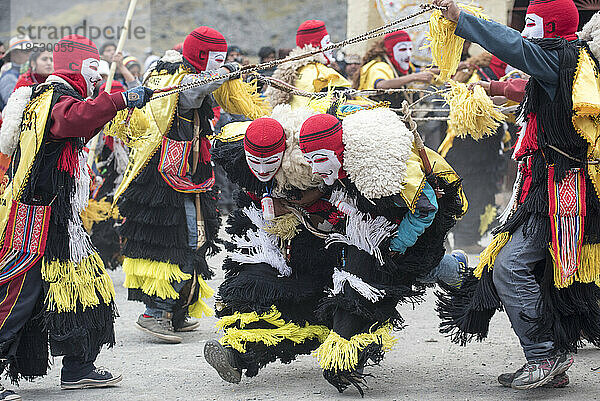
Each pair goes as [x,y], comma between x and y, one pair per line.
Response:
[89,71]
[325,163]
[402,54]
[326,41]
[264,168]
[534,27]
[215,60]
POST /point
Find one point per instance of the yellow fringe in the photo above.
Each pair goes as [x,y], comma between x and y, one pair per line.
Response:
[588,271]
[322,104]
[95,212]
[129,134]
[472,112]
[238,338]
[81,283]
[489,254]
[337,353]
[239,97]
[200,308]
[272,317]
[487,218]
[152,277]
[446,47]
[448,142]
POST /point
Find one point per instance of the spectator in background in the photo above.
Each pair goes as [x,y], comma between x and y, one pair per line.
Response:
[284,52]
[133,66]
[107,50]
[19,49]
[234,53]
[2,51]
[40,66]
[266,54]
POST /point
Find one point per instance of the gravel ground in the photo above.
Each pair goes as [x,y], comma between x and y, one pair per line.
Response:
[423,366]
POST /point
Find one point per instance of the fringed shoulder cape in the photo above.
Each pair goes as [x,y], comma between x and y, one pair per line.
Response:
[556,200]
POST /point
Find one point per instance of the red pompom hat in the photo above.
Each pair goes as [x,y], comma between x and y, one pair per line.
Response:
[311,32]
[264,137]
[68,55]
[561,17]
[201,41]
[390,41]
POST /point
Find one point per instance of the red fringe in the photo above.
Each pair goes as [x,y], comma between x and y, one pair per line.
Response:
[68,160]
[204,150]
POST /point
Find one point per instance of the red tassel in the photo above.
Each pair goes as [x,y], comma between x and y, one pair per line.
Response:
[68,160]
[204,150]
[529,142]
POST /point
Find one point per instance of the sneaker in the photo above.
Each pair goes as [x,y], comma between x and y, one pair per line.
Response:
[223,360]
[539,372]
[98,377]
[161,328]
[189,325]
[559,381]
[8,395]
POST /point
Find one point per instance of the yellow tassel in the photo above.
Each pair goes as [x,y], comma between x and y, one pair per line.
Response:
[238,338]
[489,254]
[239,97]
[77,283]
[588,271]
[487,218]
[337,353]
[200,308]
[130,134]
[95,212]
[152,277]
[446,47]
[322,104]
[472,112]
[285,227]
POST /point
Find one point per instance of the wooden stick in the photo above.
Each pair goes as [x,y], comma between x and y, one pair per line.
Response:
[121,44]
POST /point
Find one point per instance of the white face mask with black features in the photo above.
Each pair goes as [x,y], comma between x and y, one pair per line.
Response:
[215,60]
[89,71]
[264,168]
[402,54]
[326,41]
[325,163]
[534,27]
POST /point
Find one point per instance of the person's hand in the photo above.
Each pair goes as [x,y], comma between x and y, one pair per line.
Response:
[118,58]
[484,84]
[232,67]
[423,76]
[451,12]
[137,97]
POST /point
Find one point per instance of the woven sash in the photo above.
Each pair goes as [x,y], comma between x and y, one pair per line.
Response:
[173,167]
[25,239]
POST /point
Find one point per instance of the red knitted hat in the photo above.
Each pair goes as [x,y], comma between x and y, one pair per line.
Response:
[264,137]
[390,41]
[322,131]
[561,17]
[201,41]
[68,55]
[311,32]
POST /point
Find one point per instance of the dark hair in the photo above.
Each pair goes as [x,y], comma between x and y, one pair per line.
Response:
[35,55]
[105,45]
[266,51]
[234,48]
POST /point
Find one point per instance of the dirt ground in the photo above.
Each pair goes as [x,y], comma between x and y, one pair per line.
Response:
[424,365]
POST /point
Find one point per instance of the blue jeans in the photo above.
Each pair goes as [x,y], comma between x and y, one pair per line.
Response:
[448,272]
[167,304]
[519,292]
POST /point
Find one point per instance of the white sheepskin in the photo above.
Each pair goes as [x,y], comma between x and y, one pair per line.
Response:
[80,245]
[11,120]
[377,148]
[591,34]
[295,172]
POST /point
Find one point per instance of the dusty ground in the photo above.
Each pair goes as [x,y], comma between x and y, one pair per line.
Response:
[424,366]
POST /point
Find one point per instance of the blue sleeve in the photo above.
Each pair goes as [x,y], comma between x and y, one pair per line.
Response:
[509,46]
[414,224]
[7,85]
